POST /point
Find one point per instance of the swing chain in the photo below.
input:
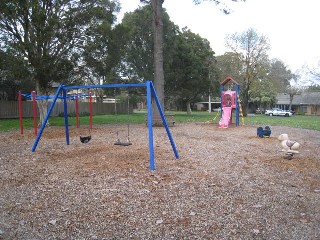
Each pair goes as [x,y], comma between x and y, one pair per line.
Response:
[118,142]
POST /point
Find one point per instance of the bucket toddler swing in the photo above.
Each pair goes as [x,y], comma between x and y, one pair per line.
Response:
[87,138]
[151,92]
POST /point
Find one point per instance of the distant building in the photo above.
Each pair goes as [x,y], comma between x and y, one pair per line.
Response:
[204,106]
[307,102]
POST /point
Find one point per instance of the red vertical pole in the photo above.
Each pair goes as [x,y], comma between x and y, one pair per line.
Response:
[77,111]
[20,111]
[90,107]
[34,106]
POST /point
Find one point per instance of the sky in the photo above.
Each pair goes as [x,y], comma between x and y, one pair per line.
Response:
[290,25]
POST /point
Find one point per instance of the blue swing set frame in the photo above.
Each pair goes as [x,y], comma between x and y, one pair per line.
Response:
[151,92]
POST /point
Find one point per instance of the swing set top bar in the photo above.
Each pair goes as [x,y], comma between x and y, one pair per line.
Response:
[29,96]
[107,86]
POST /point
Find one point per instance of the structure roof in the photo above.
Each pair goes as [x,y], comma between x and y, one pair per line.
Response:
[227,79]
[301,99]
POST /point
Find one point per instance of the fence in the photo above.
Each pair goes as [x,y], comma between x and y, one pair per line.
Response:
[10,109]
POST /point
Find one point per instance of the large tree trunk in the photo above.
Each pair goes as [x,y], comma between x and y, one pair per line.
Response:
[189,111]
[245,97]
[42,104]
[158,51]
[245,104]
[291,100]
[43,107]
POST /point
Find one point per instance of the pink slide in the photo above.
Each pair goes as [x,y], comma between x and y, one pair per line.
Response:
[226,114]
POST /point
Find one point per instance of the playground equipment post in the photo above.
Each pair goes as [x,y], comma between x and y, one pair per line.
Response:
[20,112]
[90,107]
[34,105]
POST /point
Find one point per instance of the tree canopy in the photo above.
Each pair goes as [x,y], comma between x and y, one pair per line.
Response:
[49,35]
[251,48]
[187,56]
[259,76]
[191,62]
[79,42]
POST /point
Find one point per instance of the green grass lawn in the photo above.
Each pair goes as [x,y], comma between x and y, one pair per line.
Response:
[306,122]
[296,121]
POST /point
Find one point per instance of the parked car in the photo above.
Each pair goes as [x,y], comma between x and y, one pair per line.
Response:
[278,112]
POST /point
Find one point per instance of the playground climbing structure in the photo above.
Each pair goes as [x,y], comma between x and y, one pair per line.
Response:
[229,102]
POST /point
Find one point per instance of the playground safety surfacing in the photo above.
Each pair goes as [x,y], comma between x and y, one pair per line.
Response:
[227,184]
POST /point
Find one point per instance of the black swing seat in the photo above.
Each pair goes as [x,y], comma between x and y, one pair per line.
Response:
[85,139]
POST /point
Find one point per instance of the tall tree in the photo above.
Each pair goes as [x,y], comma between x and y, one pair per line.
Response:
[13,72]
[275,80]
[158,41]
[229,64]
[100,54]
[101,48]
[252,50]
[157,24]
[40,32]
[263,94]
[191,64]
[280,75]
[47,33]
[137,55]
[315,74]
[187,56]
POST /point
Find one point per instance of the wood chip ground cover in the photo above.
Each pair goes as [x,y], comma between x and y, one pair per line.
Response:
[227,184]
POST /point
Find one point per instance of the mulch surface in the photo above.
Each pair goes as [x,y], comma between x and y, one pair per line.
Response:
[226,184]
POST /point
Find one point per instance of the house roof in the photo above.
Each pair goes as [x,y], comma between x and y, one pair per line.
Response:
[301,99]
